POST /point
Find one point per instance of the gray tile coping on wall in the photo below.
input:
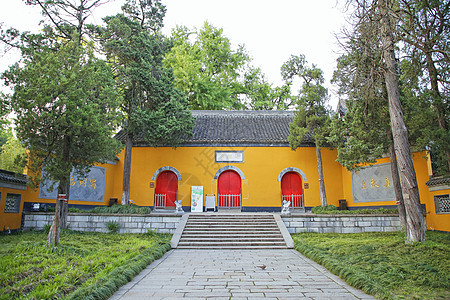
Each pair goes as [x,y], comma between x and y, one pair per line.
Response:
[168,223]
[341,223]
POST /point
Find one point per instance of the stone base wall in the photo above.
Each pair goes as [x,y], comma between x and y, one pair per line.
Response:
[168,223]
[95,222]
[341,223]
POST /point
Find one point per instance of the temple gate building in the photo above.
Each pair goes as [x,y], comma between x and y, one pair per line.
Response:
[241,160]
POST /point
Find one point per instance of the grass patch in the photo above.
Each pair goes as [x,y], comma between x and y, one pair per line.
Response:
[83,266]
[381,264]
[333,210]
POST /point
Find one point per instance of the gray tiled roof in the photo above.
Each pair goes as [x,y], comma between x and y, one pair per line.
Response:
[11,177]
[438,181]
[216,128]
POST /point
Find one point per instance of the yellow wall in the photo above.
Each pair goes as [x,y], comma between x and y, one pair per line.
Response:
[261,168]
[10,220]
[260,188]
[437,221]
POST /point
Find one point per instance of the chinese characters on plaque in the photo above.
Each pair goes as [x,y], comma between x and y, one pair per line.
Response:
[229,156]
[90,187]
[373,183]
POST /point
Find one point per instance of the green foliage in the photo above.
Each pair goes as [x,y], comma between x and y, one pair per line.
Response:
[363,134]
[121,209]
[46,228]
[5,135]
[326,208]
[113,227]
[83,266]
[13,156]
[206,70]
[214,76]
[64,117]
[381,264]
[312,117]
[424,31]
[333,210]
[136,49]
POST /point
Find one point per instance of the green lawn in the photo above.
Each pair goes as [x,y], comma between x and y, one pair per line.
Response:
[381,264]
[83,266]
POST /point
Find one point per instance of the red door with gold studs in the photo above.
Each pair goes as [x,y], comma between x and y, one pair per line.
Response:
[291,189]
[229,189]
[166,184]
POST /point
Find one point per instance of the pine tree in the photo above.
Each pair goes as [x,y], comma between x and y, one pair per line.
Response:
[64,116]
[312,117]
[65,98]
[154,109]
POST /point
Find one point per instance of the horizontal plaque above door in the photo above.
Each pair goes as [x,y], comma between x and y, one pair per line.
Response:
[229,156]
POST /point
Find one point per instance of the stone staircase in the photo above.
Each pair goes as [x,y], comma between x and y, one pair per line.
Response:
[231,231]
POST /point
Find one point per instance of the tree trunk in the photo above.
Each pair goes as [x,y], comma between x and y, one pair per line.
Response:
[61,210]
[127,169]
[63,188]
[323,195]
[414,216]
[397,187]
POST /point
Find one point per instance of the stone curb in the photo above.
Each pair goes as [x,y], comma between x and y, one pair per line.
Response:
[284,231]
[177,234]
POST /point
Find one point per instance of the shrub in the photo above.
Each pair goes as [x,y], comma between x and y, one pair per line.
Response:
[121,209]
[75,210]
[331,209]
[113,227]
[321,209]
[47,227]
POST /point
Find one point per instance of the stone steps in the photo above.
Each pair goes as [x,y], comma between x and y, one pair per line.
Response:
[235,234]
[227,231]
[241,247]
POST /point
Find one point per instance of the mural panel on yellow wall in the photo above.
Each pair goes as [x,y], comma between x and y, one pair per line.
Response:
[90,187]
[373,183]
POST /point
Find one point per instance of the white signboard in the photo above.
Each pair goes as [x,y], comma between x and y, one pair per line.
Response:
[197,199]
[229,156]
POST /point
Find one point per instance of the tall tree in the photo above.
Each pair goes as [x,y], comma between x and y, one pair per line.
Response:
[67,16]
[363,134]
[424,28]
[312,117]
[215,76]
[380,13]
[414,215]
[64,116]
[206,68]
[62,54]
[259,94]
[153,107]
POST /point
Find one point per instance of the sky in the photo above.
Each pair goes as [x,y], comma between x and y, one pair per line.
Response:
[271,31]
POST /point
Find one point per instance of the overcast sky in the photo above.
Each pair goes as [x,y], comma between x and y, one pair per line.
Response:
[270,30]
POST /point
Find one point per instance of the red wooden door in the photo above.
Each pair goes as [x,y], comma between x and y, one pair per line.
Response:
[229,189]
[291,188]
[167,184]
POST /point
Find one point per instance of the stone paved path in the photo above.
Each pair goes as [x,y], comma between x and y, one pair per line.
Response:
[235,274]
